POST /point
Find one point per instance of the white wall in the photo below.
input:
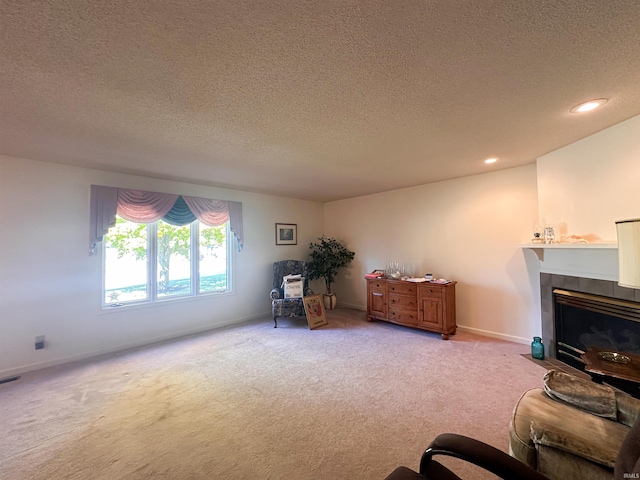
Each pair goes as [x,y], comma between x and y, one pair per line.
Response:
[50,286]
[585,187]
[469,230]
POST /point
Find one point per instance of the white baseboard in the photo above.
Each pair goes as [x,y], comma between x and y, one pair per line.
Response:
[500,336]
[122,348]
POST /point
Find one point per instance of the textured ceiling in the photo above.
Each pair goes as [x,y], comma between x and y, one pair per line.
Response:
[321,99]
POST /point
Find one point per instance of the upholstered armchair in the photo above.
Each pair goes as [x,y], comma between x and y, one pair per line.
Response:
[288,307]
[571,429]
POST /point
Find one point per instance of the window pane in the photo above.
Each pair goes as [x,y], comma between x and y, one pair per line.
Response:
[125,276]
[145,263]
[213,259]
[174,267]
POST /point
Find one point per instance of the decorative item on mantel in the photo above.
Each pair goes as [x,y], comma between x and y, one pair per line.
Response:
[573,239]
[629,253]
[537,234]
[549,235]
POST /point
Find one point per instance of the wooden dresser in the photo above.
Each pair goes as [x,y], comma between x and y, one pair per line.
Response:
[429,306]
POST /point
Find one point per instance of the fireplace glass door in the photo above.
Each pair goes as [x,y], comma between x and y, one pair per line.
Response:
[585,320]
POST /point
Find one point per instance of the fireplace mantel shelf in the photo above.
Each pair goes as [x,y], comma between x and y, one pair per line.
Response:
[539,248]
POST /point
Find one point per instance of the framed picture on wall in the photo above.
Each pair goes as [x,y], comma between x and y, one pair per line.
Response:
[286,234]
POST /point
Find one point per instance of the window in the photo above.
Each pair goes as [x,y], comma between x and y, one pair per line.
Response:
[158,261]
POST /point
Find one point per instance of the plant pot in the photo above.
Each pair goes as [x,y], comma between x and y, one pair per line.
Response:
[329,300]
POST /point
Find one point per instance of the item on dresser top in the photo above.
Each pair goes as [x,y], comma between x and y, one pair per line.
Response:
[394,270]
[375,274]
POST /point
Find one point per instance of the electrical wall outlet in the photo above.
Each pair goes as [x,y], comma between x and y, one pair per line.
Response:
[39,342]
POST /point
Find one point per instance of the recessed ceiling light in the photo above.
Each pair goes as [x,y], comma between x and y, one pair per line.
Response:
[588,106]
[490,160]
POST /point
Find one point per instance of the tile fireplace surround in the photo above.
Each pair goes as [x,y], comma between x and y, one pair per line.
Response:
[549,281]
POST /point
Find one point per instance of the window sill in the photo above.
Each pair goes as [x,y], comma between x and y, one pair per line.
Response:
[107,309]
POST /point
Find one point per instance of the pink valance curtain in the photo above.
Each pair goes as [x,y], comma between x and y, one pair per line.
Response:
[144,207]
[211,212]
[148,207]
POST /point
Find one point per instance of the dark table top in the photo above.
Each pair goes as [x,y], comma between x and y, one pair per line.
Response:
[595,363]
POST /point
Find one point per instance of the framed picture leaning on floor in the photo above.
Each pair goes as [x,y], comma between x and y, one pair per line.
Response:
[314,309]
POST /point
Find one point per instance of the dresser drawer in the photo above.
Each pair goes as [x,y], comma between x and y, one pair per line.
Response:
[377,285]
[404,301]
[403,288]
[430,291]
[403,315]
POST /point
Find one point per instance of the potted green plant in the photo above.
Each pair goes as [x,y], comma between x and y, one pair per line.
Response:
[327,256]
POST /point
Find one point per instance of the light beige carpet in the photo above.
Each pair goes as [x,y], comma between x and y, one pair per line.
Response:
[347,401]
